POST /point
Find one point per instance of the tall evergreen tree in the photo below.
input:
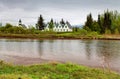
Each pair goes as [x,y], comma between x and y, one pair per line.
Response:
[100,24]
[51,24]
[107,21]
[99,20]
[40,23]
[89,22]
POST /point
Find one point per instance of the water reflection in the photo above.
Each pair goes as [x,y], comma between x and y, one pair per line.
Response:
[108,50]
[40,47]
[88,49]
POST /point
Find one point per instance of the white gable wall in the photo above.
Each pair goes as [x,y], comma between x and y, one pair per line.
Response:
[59,28]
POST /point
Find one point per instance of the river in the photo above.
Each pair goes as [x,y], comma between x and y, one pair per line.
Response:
[96,53]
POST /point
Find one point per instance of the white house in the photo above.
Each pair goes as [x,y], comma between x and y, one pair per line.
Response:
[58,27]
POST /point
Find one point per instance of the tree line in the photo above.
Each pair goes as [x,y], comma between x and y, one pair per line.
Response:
[41,24]
[107,23]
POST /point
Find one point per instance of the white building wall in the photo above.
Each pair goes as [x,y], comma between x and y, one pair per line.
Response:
[59,28]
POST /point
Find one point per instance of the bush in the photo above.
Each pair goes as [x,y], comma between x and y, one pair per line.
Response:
[8,25]
[116,31]
[107,31]
[93,34]
[83,32]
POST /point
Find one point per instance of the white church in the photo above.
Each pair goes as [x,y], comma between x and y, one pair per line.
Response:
[58,27]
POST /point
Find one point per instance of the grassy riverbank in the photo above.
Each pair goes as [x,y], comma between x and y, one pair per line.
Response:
[10,31]
[53,35]
[53,71]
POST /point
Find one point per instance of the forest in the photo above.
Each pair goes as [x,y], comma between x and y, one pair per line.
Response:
[107,23]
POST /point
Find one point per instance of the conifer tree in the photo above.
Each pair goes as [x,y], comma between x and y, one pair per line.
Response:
[40,23]
[89,22]
[51,24]
[100,24]
[107,21]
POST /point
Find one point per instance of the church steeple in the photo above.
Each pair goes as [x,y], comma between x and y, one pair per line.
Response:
[20,22]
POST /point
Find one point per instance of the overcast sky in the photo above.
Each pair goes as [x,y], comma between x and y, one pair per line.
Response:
[74,11]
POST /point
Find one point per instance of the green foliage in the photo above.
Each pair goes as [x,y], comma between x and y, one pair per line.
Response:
[82,32]
[107,31]
[96,27]
[115,21]
[51,24]
[14,76]
[89,22]
[8,25]
[53,71]
[75,29]
[116,31]
[32,30]
[79,31]
[107,23]
[40,23]
[87,28]
[93,34]
[10,29]
[13,30]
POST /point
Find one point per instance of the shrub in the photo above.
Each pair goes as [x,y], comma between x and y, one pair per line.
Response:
[107,31]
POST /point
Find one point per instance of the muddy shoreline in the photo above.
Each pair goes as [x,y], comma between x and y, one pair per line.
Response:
[26,61]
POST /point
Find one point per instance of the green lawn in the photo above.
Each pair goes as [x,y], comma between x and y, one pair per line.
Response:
[53,71]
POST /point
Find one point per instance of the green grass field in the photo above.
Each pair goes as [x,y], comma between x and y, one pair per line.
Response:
[53,71]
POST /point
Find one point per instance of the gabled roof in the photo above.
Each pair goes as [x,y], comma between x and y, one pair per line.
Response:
[69,25]
[56,24]
[59,24]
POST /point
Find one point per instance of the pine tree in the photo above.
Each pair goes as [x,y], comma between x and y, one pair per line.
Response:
[99,20]
[100,24]
[40,23]
[89,22]
[107,21]
[51,24]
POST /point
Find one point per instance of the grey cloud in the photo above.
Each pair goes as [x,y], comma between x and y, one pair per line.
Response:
[73,10]
[35,4]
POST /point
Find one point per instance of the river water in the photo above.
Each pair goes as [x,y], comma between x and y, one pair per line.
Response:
[96,53]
